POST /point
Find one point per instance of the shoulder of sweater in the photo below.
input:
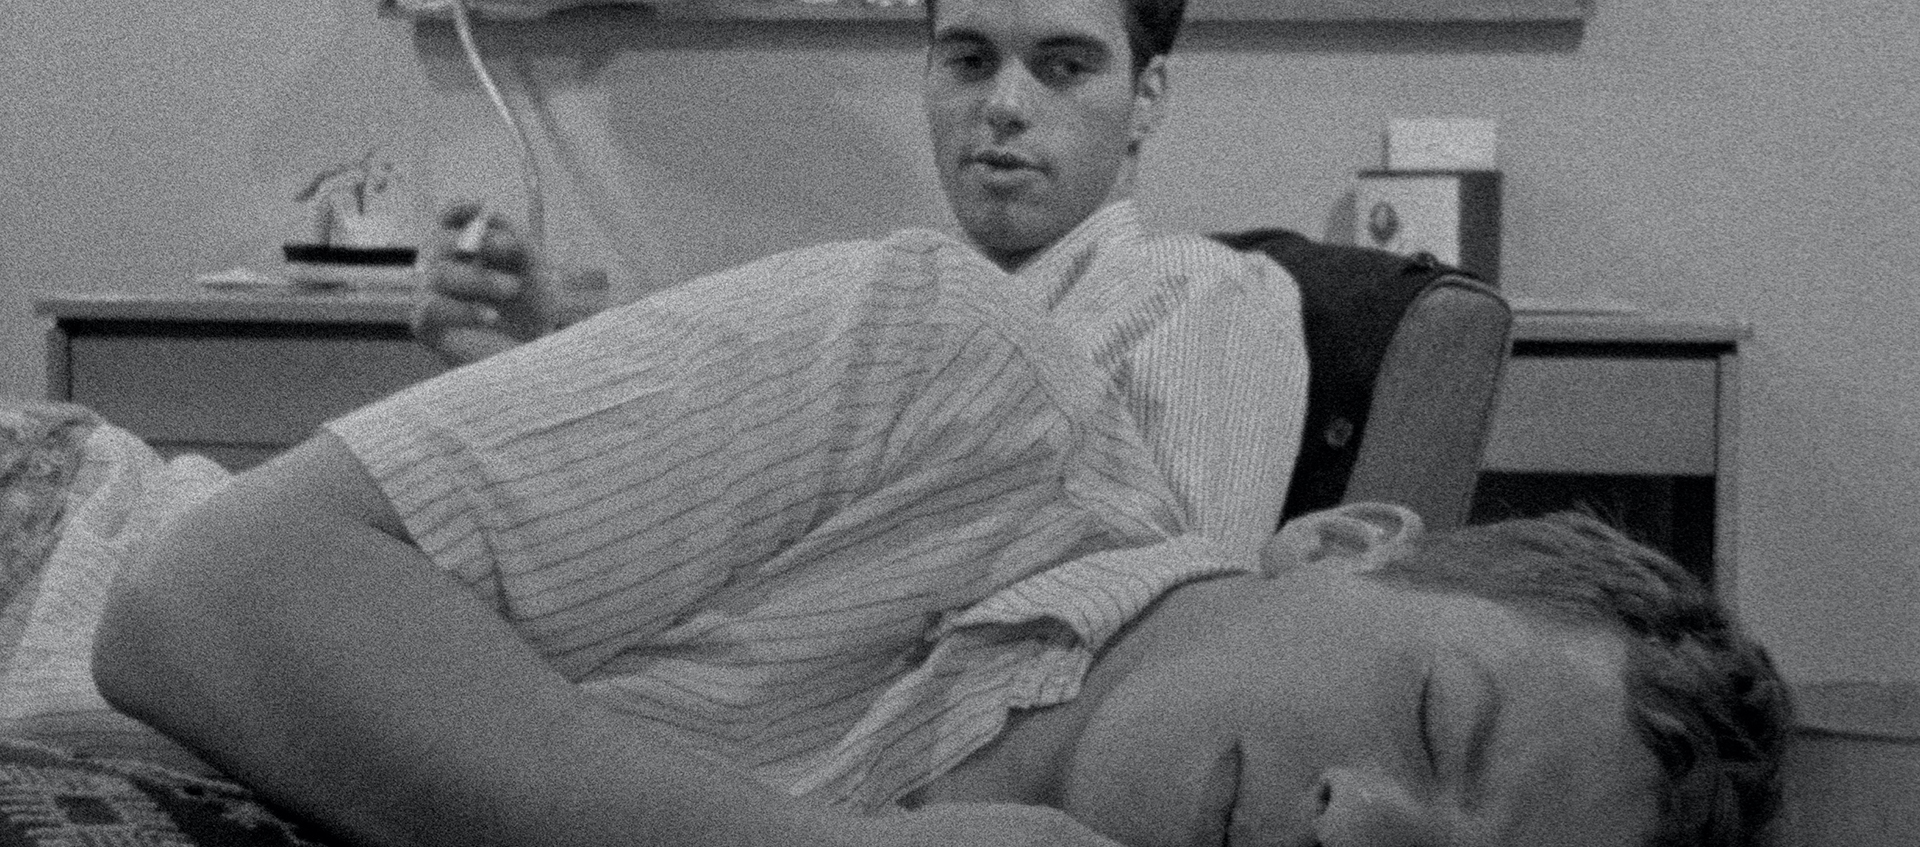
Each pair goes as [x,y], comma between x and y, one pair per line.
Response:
[816,269]
[1210,267]
[837,258]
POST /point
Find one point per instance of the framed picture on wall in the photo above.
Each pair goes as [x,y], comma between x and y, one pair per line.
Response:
[796,10]
[1412,11]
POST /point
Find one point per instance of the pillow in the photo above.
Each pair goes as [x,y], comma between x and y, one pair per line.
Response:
[50,798]
[41,447]
[110,491]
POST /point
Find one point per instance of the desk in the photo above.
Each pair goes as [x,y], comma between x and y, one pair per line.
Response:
[1630,414]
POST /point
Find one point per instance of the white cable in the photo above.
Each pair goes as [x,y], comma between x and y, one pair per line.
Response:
[529,165]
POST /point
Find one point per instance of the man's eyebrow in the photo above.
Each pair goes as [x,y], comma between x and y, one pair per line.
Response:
[1074,42]
[959,35]
[965,35]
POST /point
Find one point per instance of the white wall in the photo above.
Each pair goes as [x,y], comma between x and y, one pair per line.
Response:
[1752,159]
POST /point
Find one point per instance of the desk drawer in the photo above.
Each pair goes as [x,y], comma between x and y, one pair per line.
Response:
[267,387]
[1604,415]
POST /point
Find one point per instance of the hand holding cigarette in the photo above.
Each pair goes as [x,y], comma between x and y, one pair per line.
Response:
[484,291]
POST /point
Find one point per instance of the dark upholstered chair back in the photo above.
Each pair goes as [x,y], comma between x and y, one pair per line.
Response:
[1405,357]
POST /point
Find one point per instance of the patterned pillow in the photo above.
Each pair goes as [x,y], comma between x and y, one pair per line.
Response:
[49,798]
[41,453]
[80,495]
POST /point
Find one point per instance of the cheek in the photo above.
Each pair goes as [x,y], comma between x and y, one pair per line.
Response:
[944,125]
[1166,770]
[1098,148]
[1108,117]
[950,113]
[1153,772]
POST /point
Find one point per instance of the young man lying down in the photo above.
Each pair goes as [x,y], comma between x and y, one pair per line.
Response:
[891,564]
[1534,682]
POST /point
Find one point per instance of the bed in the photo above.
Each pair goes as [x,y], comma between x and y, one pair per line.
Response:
[73,491]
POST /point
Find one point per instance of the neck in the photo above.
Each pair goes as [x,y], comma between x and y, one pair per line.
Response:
[1012,261]
[1030,760]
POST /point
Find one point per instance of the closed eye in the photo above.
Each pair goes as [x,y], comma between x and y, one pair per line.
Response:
[1425,719]
[1233,798]
[1460,717]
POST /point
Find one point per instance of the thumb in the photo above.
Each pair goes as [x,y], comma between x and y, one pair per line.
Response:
[464,345]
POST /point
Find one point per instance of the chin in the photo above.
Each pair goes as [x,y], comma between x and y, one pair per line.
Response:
[1163,787]
[1012,232]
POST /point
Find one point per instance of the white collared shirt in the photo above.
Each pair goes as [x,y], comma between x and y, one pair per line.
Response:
[1207,346]
[832,514]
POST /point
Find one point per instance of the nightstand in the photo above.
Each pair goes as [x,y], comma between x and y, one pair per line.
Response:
[234,376]
[1630,415]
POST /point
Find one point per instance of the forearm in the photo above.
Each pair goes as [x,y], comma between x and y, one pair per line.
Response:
[324,662]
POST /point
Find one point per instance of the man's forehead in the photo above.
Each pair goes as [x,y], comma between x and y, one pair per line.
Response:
[1099,19]
[1499,635]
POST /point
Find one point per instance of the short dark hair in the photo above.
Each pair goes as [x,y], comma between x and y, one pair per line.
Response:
[1152,27]
[1702,696]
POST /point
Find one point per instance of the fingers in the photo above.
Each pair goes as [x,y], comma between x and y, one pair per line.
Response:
[491,270]
[464,279]
[460,332]
[436,316]
[500,245]
[484,293]
[463,346]
[459,214]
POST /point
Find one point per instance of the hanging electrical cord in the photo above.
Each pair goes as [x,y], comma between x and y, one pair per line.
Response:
[529,165]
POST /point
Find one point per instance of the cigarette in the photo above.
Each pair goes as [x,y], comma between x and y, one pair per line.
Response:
[474,235]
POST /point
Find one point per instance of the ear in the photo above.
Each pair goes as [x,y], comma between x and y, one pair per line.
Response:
[1352,538]
[1149,102]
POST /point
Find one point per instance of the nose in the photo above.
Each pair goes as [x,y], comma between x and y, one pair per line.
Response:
[1359,808]
[1009,102]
